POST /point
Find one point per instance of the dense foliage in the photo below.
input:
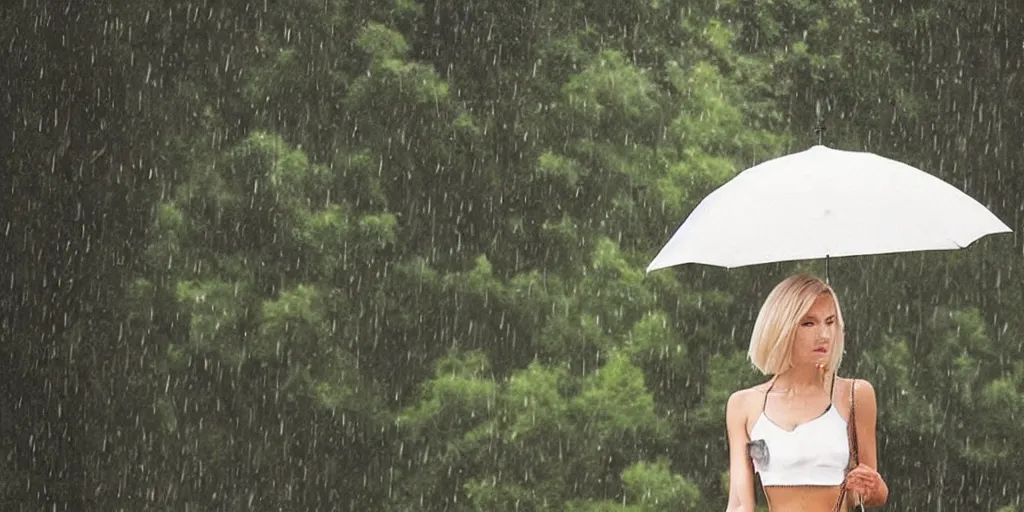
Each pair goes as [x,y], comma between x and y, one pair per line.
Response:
[388,254]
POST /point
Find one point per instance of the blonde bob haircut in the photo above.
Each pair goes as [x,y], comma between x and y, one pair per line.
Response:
[771,343]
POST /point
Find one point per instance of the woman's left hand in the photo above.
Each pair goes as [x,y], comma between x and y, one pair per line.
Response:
[864,481]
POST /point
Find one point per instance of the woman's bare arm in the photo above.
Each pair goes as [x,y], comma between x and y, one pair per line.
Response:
[866,420]
[741,469]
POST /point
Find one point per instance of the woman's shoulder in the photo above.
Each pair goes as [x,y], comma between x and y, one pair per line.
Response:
[744,397]
[742,406]
[861,389]
[849,381]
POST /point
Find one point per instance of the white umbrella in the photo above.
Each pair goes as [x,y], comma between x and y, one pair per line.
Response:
[823,203]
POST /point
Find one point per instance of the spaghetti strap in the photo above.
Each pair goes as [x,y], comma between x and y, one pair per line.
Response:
[832,391]
[770,386]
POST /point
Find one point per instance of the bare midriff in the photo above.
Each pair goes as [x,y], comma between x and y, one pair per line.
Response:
[802,498]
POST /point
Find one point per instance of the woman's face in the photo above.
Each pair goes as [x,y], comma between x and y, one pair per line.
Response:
[815,333]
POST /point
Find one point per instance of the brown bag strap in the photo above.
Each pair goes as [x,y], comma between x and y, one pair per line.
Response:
[853,426]
[851,433]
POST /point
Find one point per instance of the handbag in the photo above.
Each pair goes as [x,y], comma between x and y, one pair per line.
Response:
[852,435]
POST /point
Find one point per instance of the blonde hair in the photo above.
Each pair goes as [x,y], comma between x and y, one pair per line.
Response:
[771,343]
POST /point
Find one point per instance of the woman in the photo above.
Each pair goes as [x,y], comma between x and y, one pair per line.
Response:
[794,431]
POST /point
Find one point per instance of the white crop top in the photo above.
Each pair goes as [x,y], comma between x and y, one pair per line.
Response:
[814,453]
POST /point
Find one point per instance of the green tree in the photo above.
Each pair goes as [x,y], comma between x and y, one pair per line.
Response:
[539,439]
[254,250]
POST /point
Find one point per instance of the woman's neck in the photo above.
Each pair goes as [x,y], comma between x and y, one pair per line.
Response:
[800,380]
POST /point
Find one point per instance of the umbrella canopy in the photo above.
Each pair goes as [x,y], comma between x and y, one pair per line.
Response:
[823,203]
